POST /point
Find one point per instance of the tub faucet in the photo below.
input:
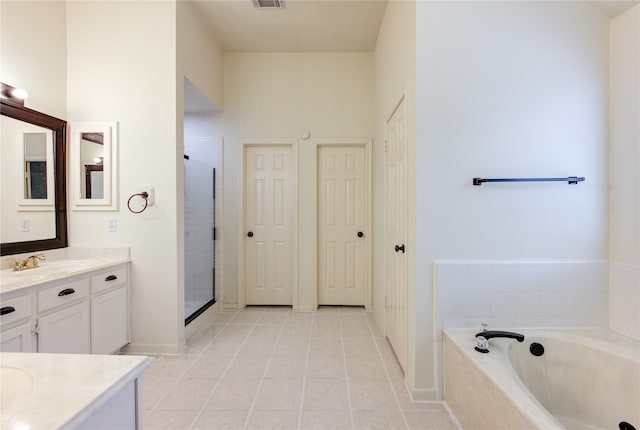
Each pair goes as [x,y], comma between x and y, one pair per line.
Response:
[28,263]
[482,338]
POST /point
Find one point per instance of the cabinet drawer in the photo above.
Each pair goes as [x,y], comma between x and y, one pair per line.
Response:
[15,309]
[61,294]
[109,279]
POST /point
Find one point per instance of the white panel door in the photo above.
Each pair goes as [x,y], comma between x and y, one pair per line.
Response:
[396,207]
[342,217]
[268,225]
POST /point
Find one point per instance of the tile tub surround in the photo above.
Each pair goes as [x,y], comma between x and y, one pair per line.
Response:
[271,368]
[624,298]
[521,294]
[516,294]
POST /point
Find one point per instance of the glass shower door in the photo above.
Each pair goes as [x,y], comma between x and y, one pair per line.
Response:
[199,237]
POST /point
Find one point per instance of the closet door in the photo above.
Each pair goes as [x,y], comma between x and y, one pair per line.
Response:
[342,221]
[396,316]
[269,221]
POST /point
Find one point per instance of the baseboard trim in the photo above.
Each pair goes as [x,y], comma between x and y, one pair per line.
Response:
[152,348]
[304,308]
[230,306]
[197,323]
[424,395]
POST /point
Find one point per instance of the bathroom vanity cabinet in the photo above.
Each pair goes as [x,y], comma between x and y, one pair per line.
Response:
[85,312]
[84,392]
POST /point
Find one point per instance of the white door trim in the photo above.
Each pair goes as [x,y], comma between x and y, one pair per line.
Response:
[241,226]
[367,144]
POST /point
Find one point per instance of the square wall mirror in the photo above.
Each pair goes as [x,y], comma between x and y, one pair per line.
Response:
[93,169]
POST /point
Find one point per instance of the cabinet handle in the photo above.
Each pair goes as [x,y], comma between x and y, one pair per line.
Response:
[110,278]
[66,292]
[7,310]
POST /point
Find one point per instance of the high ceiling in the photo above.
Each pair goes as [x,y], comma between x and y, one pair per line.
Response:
[315,25]
[300,26]
[612,8]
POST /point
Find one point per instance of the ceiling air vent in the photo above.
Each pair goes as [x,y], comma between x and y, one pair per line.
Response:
[267,4]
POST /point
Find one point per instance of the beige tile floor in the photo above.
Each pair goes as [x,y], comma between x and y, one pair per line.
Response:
[271,368]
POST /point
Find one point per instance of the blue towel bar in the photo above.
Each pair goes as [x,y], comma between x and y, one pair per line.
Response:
[569,180]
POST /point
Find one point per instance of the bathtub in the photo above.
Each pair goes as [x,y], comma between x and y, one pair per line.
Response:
[585,379]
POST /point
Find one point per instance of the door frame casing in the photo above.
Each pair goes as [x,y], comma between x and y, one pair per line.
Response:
[368,228]
[242,228]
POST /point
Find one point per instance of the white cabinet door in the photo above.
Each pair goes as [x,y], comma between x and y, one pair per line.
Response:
[17,339]
[66,331]
[109,322]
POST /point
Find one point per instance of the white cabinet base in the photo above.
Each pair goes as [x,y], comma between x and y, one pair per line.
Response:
[119,412]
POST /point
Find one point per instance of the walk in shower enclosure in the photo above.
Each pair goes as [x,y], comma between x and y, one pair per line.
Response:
[199,236]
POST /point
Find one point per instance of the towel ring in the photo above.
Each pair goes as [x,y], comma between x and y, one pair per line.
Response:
[144,195]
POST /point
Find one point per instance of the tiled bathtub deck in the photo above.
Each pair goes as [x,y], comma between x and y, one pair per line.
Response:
[264,368]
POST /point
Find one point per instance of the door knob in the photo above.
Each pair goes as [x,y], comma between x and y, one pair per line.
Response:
[360,234]
[400,248]
[250,234]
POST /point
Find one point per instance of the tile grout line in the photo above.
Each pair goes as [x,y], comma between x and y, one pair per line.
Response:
[226,369]
[179,354]
[346,374]
[304,376]
[264,373]
[386,371]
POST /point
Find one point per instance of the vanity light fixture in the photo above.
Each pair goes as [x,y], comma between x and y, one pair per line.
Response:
[12,94]
[15,95]
[20,93]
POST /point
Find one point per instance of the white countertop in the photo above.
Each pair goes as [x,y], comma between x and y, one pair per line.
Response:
[65,388]
[54,270]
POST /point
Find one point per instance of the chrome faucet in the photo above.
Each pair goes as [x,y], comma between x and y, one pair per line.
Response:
[30,262]
[482,338]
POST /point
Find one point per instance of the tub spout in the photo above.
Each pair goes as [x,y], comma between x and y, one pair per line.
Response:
[482,338]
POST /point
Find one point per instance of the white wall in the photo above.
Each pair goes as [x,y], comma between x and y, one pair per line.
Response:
[122,67]
[395,76]
[507,89]
[624,174]
[199,57]
[33,53]
[38,64]
[278,96]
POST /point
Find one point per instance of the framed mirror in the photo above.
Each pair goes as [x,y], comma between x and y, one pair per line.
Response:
[35,167]
[32,155]
[94,166]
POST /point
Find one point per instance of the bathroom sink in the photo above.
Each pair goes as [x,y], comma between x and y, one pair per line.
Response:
[44,270]
[65,265]
[16,385]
